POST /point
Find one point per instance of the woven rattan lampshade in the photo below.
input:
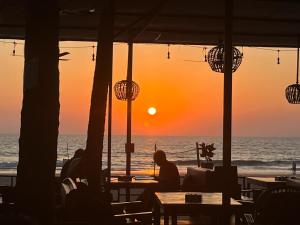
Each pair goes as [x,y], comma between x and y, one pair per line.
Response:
[292,92]
[216,58]
[121,90]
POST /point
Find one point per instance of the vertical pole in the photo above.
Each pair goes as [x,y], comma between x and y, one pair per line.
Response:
[102,78]
[109,132]
[154,167]
[297,79]
[109,122]
[128,147]
[198,156]
[227,117]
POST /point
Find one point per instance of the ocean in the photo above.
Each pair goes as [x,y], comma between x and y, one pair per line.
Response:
[252,155]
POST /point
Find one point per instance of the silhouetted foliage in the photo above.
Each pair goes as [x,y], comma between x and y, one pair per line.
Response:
[207,151]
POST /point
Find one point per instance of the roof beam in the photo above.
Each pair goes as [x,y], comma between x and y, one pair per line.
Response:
[146,18]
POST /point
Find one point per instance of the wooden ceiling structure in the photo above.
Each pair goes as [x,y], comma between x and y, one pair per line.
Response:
[267,23]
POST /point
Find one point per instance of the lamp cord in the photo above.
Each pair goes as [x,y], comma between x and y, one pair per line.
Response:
[297,80]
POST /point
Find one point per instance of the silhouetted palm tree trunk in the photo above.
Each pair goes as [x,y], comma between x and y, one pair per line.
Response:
[40,111]
[102,76]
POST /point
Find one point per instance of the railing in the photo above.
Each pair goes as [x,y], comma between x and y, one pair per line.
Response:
[10,180]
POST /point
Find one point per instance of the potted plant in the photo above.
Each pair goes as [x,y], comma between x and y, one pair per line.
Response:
[207,153]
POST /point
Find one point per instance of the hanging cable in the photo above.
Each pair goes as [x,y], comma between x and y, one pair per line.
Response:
[278,56]
[297,79]
[168,55]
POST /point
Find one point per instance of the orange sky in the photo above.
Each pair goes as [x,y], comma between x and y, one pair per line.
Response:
[188,96]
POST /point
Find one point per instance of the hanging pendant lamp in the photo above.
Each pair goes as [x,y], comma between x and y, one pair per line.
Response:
[292,92]
[121,90]
[216,58]
[127,90]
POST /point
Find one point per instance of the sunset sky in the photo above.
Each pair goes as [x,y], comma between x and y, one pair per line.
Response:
[188,96]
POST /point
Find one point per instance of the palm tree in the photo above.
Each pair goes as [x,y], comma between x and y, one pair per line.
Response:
[40,111]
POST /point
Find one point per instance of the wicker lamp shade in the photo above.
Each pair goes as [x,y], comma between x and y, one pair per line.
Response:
[121,90]
[216,58]
[292,93]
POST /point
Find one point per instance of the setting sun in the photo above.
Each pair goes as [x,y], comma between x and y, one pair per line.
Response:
[152,111]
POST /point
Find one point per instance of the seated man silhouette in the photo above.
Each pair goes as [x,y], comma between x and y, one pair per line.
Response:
[169,179]
[71,167]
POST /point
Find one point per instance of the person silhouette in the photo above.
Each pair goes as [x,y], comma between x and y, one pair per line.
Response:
[70,167]
[168,178]
[294,167]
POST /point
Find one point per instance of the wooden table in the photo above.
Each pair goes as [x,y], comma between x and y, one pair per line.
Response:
[135,183]
[266,182]
[174,204]
[293,182]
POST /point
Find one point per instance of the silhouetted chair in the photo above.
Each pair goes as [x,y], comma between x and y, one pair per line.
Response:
[277,206]
[208,180]
[83,206]
[7,198]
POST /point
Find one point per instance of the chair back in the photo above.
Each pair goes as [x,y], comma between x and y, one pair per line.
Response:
[67,186]
[278,206]
[208,180]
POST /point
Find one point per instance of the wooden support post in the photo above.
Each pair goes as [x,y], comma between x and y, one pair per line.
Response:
[102,79]
[227,117]
[129,146]
[109,122]
[40,112]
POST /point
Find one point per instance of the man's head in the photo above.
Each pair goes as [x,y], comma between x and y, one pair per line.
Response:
[78,153]
[159,157]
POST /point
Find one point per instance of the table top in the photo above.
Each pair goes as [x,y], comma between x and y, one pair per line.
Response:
[264,181]
[134,183]
[178,198]
[294,182]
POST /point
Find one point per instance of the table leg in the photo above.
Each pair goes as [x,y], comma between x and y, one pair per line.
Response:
[166,218]
[128,194]
[156,212]
[248,187]
[174,219]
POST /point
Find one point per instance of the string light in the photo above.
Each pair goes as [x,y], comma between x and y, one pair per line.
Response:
[242,53]
[93,55]
[14,50]
[15,43]
[205,55]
